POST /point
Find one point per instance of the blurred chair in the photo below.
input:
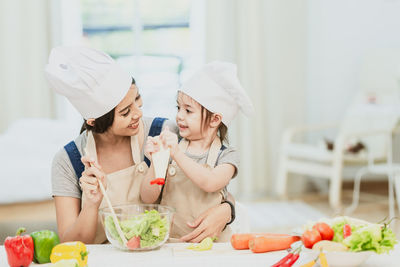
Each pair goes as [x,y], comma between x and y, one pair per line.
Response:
[241,224]
[391,169]
[374,110]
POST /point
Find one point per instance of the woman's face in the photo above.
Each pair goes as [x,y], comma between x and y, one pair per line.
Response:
[128,113]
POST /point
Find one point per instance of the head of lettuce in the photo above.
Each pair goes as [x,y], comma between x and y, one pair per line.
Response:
[364,236]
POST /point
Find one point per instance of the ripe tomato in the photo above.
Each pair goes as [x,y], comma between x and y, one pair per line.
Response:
[133,243]
[310,237]
[346,230]
[325,230]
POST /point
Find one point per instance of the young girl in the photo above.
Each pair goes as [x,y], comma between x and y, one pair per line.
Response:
[201,165]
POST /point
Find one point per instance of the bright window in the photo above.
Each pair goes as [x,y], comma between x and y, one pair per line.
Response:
[151,39]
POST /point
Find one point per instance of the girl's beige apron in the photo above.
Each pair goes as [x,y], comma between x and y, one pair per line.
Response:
[123,186]
[187,198]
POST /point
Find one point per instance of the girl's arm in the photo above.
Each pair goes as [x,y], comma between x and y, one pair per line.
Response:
[210,180]
[149,193]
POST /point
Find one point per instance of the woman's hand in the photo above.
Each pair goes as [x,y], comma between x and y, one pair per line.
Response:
[169,139]
[209,224]
[151,146]
[89,181]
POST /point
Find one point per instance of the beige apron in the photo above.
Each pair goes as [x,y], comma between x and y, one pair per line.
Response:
[189,200]
[123,186]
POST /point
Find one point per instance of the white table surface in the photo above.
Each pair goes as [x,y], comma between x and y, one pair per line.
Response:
[222,254]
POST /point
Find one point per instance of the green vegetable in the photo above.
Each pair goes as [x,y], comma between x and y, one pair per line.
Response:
[365,236]
[149,226]
[206,244]
[44,241]
[110,226]
[373,237]
[338,227]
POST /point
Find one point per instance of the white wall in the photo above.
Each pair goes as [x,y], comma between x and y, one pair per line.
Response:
[285,78]
[340,34]
[66,29]
[267,40]
[24,44]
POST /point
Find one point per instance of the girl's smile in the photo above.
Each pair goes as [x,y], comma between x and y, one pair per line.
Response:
[182,127]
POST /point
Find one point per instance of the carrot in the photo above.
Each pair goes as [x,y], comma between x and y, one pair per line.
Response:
[241,241]
[265,244]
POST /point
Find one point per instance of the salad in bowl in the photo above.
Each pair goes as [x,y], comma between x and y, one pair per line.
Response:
[346,241]
[143,226]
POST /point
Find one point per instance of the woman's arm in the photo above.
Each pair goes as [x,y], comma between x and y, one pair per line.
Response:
[73,223]
[76,223]
[211,223]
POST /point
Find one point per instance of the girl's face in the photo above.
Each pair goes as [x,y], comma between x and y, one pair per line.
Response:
[188,117]
[127,114]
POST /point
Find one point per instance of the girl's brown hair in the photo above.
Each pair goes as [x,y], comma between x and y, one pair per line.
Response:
[102,123]
[222,129]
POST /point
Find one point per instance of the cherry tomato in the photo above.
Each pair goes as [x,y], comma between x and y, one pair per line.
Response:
[159,181]
[346,230]
[133,243]
[325,230]
[310,237]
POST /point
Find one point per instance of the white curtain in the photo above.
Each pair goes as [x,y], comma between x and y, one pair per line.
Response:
[28,32]
[24,46]
[267,40]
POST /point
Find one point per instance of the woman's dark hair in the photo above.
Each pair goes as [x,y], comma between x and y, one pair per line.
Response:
[102,123]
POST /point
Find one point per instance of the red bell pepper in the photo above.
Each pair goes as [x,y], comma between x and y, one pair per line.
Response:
[19,249]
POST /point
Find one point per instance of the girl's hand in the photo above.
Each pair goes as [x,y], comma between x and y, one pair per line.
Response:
[152,146]
[169,139]
[209,224]
[89,183]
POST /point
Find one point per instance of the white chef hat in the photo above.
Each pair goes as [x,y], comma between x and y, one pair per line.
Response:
[217,88]
[92,81]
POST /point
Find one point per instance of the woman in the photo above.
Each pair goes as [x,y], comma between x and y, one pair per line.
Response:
[112,146]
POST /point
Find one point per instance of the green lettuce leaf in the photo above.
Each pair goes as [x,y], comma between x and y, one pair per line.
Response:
[373,237]
[337,228]
[149,226]
[110,226]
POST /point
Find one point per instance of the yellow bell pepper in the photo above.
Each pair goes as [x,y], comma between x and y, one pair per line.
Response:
[66,263]
[70,250]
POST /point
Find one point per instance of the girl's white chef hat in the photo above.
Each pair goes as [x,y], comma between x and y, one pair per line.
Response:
[217,88]
[91,80]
